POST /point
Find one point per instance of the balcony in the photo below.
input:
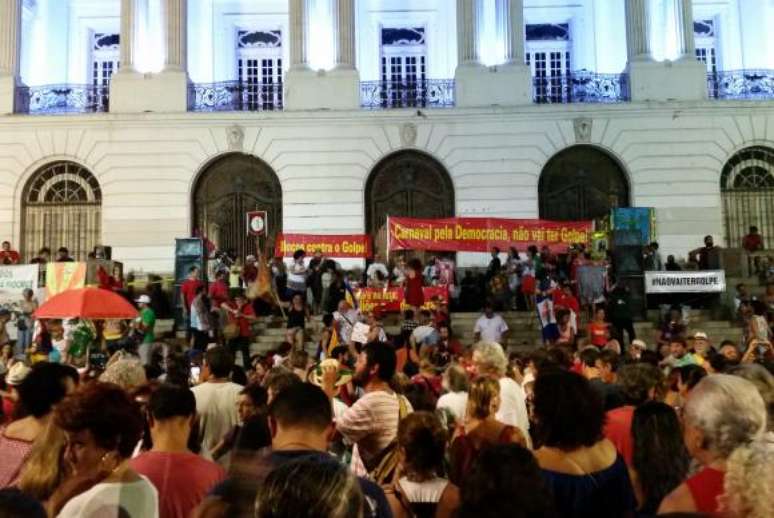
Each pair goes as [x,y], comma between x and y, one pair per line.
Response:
[581,87]
[428,93]
[741,84]
[234,96]
[62,99]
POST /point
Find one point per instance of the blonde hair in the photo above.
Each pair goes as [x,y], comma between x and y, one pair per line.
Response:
[490,358]
[45,468]
[749,480]
[482,392]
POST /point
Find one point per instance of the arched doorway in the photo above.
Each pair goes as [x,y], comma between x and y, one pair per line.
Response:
[581,183]
[747,190]
[406,184]
[225,192]
[61,206]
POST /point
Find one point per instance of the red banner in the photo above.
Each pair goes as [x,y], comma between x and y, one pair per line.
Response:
[354,245]
[481,234]
[391,300]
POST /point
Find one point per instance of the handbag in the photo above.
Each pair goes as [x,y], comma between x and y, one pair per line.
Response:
[230,331]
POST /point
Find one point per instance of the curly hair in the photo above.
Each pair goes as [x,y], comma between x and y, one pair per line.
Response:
[106,411]
[729,412]
[569,413]
[423,439]
[490,358]
[749,481]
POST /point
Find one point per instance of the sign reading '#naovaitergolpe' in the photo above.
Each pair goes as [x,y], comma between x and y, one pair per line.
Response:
[481,234]
[705,281]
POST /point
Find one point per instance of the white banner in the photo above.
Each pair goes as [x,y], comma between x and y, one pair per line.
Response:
[705,281]
[14,280]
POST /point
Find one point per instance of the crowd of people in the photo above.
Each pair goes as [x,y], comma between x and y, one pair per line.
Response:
[373,424]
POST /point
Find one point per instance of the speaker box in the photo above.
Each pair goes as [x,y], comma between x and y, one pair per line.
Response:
[103,252]
[637,299]
[627,238]
[627,260]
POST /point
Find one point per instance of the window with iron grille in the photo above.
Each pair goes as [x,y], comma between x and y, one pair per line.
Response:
[404,66]
[547,51]
[62,206]
[105,61]
[706,44]
[747,191]
[259,69]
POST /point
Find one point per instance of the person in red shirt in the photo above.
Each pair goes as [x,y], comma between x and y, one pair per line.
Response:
[181,477]
[188,293]
[240,313]
[638,383]
[7,255]
[753,241]
[599,330]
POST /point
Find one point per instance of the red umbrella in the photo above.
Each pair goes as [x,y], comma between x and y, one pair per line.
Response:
[87,303]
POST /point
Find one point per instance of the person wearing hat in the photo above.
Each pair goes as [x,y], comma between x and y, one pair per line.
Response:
[637,346]
[700,345]
[13,379]
[144,325]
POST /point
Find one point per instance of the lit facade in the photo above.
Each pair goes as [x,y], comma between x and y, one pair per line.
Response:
[148,97]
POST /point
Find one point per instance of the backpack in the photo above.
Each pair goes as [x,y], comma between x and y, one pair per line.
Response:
[382,468]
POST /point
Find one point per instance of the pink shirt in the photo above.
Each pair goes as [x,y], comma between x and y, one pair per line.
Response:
[372,422]
[182,480]
[13,455]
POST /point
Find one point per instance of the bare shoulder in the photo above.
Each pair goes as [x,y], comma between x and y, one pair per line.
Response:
[449,502]
[679,500]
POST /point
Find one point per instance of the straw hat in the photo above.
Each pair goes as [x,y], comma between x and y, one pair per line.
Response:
[343,376]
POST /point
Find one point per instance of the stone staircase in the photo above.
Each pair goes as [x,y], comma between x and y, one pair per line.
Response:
[524,331]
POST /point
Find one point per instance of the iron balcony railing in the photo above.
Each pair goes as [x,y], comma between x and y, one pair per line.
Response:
[234,96]
[64,98]
[741,84]
[427,93]
[580,87]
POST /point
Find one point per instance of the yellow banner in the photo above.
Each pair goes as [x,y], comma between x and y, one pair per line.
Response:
[64,276]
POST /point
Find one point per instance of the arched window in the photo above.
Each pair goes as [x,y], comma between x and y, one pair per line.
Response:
[61,206]
[581,183]
[225,192]
[406,184]
[747,189]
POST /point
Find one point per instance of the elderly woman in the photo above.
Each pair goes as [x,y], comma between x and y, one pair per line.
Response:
[489,360]
[102,425]
[722,413]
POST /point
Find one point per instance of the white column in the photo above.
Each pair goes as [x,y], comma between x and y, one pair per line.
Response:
[130,16]
[176,32]
[10,37]
[512,12]
[684,20]
[344,33]
[299,28]
[637,30]
[468,17]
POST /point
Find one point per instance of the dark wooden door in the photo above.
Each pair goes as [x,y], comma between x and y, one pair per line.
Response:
[226,192]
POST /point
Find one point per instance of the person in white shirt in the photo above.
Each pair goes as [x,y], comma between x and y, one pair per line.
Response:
[455,381]
[490,327]
[216,400]
[424,332]
[377,266]
[489,360]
